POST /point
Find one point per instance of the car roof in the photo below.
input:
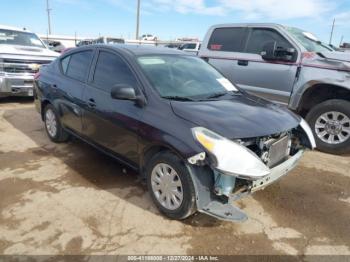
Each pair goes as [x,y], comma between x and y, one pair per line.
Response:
[6,27]
[248,25]
[138,50]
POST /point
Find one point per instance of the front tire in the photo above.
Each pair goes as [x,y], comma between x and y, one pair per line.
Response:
[330,123]
[53,125]
[170,185]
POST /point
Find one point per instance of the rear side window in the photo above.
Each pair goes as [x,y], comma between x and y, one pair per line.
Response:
[261,36]
[111,70]
[64,64]
[77,65]
[229,39]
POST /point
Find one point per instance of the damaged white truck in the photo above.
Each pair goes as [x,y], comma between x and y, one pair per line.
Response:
[289,66]
[21,55]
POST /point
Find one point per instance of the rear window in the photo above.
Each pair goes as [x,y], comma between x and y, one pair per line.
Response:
[229,39]
[77,65]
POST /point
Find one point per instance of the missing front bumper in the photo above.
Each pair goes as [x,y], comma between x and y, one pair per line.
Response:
[211,204]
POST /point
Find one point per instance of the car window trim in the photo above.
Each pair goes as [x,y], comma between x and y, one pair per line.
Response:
[70,54]
[250,30]
[244,39]
[92,71]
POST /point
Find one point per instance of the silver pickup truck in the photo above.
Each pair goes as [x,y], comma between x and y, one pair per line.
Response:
[289,66]
[21,55]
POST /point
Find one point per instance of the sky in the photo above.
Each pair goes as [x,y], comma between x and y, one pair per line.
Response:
[169,19]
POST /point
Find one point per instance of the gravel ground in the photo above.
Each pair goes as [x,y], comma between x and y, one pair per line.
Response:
[71,199]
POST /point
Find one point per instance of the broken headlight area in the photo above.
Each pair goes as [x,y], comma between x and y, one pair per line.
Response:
[244,165]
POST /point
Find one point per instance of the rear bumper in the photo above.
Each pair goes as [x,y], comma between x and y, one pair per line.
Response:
[16,85]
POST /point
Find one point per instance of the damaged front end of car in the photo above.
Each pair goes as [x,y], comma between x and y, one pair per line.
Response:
[228,170]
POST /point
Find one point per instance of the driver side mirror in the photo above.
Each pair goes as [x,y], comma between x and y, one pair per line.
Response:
[123,92]
[272,52]
[127,92]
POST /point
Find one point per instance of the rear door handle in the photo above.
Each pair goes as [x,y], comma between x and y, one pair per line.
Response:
[91,103]
[242,62]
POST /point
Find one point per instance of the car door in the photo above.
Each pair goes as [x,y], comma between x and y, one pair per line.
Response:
[69,87]
[108,122]
[272,80]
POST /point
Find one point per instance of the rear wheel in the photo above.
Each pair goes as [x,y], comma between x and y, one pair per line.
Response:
[330,123]
[171,186]
[53,126]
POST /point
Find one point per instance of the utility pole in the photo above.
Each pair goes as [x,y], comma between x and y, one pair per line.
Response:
[330,39]
[341,40]
[137,19]
[48,9]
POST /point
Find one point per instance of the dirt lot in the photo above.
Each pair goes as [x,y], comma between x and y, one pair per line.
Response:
[71,199]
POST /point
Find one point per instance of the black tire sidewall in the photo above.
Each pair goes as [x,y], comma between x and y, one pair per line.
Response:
[188,205]
[338,105]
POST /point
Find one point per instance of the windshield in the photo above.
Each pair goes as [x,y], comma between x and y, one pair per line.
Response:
[11,37]
[184,77]
[308,40]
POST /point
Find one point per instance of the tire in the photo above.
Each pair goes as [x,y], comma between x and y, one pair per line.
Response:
[188,204]
[57,134]
[340,125]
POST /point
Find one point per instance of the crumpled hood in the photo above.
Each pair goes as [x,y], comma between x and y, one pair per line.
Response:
[329,60]
[339,56]
[243,116]
[27,51]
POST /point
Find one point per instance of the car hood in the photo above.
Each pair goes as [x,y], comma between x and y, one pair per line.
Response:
[337,56]
[242,116]
[27,51]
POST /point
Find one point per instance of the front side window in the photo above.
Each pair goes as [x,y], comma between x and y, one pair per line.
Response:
[229,39]
[112,70]
[308,40]
[261,36]
[11,37]
[188,77]
[77,65]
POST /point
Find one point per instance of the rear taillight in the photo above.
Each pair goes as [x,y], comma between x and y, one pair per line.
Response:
[36,76]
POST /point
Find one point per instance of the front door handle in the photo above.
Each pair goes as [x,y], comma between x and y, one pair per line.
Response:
[242,62]
[91,103]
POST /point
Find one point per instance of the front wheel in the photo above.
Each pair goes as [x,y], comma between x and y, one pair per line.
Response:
[330,123]
[171,186]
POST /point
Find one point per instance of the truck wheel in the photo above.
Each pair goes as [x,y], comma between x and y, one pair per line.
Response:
[171,186]
[53,126]
[330,123]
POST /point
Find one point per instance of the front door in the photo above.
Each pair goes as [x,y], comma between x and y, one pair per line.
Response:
[271,80]
[108,122]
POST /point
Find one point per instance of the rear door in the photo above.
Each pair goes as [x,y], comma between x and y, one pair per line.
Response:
[108,122]
[69,88]
[225,49]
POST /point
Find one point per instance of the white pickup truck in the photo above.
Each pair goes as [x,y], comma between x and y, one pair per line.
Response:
[21,55]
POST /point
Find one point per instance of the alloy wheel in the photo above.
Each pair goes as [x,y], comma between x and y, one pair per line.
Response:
[333,127]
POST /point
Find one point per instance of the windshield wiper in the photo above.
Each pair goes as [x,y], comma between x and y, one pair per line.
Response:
[216,95]
[178,98]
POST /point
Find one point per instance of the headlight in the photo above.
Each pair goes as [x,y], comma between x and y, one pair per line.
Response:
[232,158]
